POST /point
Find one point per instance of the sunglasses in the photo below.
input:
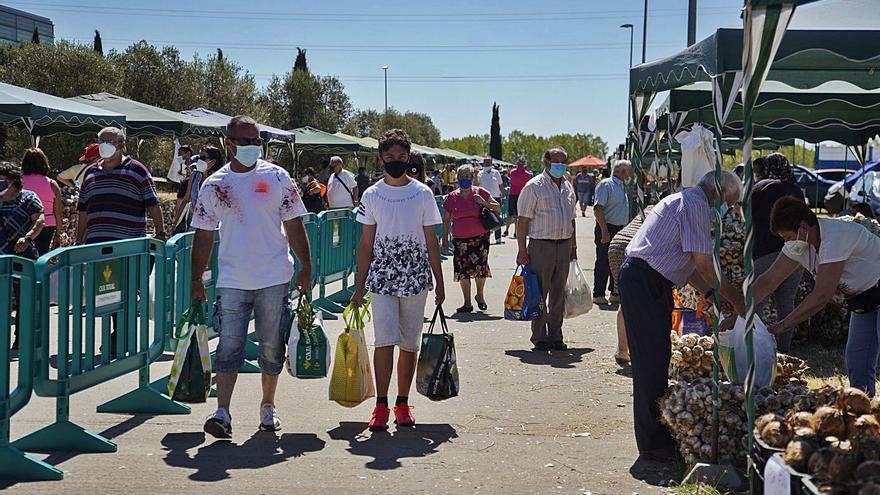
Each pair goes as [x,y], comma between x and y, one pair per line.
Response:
[247,141]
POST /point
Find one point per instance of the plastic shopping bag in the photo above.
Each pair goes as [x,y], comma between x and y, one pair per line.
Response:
[308,350]
[437,371]
[352,379]
[732,353]
[523,301]
[190,379]
[578,297]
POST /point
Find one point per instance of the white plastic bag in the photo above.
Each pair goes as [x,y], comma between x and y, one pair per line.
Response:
[578,297]
[732,352]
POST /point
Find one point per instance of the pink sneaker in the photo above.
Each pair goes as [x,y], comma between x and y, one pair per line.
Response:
[379,421]
[403,415]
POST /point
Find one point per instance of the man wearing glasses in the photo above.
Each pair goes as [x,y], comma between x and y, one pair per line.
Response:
[258,210]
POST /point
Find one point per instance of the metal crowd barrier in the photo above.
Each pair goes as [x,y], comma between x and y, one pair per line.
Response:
[110,288]
[335,258]
[18,280]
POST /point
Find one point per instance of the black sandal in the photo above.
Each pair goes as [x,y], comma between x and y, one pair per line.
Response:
[465,309]
[481,304]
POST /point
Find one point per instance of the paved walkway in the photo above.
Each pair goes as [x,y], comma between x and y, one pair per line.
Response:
[524,423]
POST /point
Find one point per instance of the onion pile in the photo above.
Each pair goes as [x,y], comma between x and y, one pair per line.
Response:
[691,357]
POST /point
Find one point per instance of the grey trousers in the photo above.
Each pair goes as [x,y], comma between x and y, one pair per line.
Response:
[783,296]
[549,260]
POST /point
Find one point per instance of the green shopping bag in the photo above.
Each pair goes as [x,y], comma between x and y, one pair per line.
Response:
[308,350]
[190,379]
[437,370]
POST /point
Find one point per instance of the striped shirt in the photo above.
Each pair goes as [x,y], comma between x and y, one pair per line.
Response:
[116,200]
[679,225]
[550,208]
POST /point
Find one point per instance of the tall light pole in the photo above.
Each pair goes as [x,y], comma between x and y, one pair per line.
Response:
[385,70]
[645,34]
[628,106]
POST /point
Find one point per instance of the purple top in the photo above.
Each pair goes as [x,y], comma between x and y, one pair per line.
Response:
[679,225]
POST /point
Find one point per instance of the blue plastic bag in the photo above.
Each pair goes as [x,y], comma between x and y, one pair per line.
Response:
[523,301]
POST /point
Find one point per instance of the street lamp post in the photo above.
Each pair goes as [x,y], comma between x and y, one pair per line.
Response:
[645,34]
[385,70]
[628,106]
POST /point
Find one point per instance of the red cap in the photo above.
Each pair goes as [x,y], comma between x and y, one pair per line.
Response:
[90,152]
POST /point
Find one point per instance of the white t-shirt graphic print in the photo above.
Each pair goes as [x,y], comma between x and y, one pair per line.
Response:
[250,209]
[400,265]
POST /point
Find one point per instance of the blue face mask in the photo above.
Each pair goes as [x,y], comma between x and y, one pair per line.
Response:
[465,183]
[248,155]
[558,170]
[724,209]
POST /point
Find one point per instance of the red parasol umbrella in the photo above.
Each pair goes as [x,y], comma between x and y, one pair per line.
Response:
[588,161]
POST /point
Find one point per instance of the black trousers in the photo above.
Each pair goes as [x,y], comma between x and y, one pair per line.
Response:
[646,302]
[602,270]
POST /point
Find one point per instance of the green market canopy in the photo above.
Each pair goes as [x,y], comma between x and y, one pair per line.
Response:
[43,114]
[268,133]
[835,111]
[318,141]
[148,120]
[367,143]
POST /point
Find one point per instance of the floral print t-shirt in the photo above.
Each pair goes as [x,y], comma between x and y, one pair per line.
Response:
[400,265]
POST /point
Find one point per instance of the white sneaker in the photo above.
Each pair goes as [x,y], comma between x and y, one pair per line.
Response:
[219,424]
[269,420]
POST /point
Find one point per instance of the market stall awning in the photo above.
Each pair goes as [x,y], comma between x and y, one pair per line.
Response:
[318,141]
[148,120]
[457,155]
[367,143]
[268,133]
[834,111]
[43,114]
[588,161]
[805,59]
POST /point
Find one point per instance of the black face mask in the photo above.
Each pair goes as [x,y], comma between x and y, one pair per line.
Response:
[396,169]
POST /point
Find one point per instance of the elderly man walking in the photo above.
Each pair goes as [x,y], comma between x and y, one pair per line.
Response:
[342,188]
[612,215]
[546,216]
[672,248]
[490,180]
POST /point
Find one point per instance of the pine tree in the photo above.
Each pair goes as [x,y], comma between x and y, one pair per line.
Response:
[97,45]
[35,38]
[300,63]
[495,134]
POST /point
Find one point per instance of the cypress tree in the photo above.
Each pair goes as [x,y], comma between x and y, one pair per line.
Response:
[495,134]
[300,63]
[97,45]
[35,38]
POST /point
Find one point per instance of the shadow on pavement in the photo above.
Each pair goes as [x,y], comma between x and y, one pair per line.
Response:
[466,317]
[213,462]
[388,447]
[609,307]
[657,473]
[554,359]
[626,371]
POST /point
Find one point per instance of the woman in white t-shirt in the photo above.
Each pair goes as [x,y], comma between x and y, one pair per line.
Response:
[842,256]
[397,255]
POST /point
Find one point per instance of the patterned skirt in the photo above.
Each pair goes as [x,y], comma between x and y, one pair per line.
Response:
[470,257]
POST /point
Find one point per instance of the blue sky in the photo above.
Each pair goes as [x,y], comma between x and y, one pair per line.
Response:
[552,66]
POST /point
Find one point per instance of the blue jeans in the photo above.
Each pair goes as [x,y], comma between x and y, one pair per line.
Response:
[232,316]
[862,350]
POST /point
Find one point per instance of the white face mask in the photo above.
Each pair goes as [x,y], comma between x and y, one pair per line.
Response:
[797,248]
[106,150]
[201,165]
[248,155]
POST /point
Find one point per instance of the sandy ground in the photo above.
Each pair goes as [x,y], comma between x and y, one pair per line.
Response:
[525,422]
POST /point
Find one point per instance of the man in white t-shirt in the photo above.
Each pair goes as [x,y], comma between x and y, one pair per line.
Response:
[342,190]
[258,210]
[397,255]
[490,180]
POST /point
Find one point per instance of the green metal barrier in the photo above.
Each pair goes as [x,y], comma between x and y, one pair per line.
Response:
[335,257]
[109,281]
[18,273]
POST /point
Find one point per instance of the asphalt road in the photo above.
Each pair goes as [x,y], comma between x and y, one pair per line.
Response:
[525,422]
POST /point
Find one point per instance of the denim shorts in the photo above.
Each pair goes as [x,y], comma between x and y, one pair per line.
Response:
[232,316]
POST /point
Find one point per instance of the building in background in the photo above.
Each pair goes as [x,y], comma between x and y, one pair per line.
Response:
[17,26]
